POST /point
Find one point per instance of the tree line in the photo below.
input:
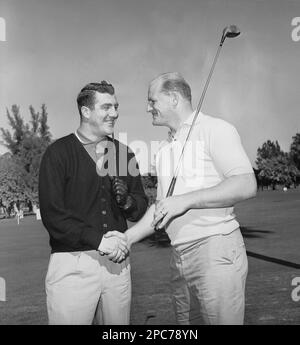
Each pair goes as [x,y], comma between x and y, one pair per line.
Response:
[19,167]
[276,167]
[26,143]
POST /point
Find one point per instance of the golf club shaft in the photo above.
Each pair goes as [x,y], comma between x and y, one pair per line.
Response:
[173,181]
[174,178]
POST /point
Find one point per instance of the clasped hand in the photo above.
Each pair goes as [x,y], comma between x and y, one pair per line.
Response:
[167,209]
[114,245]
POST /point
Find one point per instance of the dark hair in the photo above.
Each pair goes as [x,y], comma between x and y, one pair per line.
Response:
[173,81]
[86,96]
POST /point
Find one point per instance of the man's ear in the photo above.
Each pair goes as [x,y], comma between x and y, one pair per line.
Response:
[174,99]
[86,112]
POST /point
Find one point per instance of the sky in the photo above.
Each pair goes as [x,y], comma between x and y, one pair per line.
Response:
[53,48]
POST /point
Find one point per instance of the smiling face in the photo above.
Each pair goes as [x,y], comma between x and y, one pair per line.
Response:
[159,105]
[102,117]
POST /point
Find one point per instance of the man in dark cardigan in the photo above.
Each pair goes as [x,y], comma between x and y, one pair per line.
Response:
[90,184]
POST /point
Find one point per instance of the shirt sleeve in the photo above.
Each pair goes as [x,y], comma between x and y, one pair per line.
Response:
[63,225]
[226,150]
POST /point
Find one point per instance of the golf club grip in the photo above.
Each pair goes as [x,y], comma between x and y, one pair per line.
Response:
[169,193]
[172,186]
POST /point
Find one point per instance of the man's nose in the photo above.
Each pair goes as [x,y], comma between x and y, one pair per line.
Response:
[114,113]
[149,108]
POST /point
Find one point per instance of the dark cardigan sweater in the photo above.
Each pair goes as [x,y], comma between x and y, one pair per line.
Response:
[77,205]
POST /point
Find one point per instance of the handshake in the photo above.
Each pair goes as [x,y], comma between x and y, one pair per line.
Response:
[115,245]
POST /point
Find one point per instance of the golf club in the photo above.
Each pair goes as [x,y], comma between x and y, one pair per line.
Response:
[230,31]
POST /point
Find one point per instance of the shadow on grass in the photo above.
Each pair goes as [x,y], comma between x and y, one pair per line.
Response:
[254,233]
[274,260]
[161,239]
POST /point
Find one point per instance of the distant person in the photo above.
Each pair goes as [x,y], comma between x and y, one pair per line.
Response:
[17,210]
[88,276]
[209,263]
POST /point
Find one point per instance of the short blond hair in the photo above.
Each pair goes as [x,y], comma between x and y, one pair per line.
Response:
[174,81]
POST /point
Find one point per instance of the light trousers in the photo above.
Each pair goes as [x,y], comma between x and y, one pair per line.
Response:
[208,280]
[86,288]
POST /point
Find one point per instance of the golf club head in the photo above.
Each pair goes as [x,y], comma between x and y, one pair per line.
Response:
[230,31]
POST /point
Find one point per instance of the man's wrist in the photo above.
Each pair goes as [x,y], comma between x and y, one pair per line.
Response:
[100,247]
[186,202]
[129,237]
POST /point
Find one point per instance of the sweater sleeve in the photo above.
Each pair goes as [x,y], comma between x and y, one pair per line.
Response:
[136,191]
[63,225]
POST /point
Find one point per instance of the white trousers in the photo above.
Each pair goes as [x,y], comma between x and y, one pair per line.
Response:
[86,288]
[208,280]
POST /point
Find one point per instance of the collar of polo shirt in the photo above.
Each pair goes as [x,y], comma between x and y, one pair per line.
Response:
[85,141]
[173,136]
[189,120]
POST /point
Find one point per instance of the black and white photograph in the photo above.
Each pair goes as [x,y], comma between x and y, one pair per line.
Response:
[149,165]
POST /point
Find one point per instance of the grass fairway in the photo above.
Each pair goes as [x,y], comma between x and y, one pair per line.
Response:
[271,229]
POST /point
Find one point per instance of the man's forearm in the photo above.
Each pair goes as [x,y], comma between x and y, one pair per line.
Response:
[225,194]
[142,229]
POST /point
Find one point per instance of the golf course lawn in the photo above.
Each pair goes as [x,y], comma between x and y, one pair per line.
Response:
[271,228]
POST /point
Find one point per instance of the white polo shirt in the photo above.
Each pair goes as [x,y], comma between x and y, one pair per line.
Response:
[214,152]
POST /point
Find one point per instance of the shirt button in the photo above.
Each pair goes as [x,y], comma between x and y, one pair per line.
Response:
[103,212]
[104,225]
[103,199]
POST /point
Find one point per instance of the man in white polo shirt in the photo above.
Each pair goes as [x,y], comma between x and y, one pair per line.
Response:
[209,263]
